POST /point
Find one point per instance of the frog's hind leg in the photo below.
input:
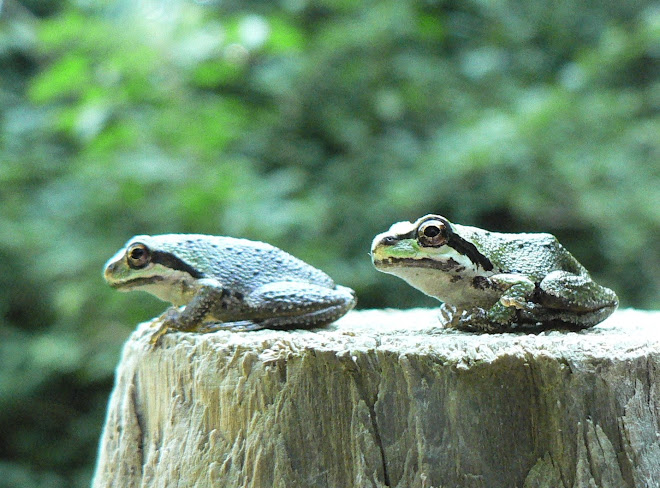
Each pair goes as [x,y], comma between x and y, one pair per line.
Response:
[318,318]
[574,300]
[314,319]
[283,306]
[298,305]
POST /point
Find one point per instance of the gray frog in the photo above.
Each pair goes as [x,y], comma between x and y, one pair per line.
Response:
[491,281]
[227,283]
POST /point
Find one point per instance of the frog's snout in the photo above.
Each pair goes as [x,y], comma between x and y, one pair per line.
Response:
[110,270]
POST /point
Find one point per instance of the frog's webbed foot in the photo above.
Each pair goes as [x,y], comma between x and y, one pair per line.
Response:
[164,322]
[478,319]
[192,316]
[471,320]
[448,315]
[516,302]
[237,326]
[174,318]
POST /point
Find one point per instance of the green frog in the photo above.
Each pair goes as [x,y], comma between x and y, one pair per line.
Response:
[227,283]
[492,281]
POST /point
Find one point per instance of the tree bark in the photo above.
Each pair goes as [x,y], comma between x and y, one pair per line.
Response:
[388,398]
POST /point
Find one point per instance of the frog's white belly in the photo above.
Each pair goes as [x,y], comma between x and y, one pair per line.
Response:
[177,288]
[457,289]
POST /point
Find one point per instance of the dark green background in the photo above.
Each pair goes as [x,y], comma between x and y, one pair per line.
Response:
[310,125]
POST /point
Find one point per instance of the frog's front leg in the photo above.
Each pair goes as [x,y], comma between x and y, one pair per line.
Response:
[516,293]
[209,296]
[291,305]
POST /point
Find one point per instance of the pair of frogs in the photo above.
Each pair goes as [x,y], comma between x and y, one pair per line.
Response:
[488,281]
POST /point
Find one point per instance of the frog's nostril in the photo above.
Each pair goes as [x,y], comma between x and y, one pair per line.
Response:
[109,269]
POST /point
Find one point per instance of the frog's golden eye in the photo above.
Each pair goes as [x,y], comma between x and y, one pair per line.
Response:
[432,233]
[138,256]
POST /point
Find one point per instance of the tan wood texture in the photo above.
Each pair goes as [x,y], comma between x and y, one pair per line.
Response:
[388,398]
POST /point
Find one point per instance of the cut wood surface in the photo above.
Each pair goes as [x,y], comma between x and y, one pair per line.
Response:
[388,398]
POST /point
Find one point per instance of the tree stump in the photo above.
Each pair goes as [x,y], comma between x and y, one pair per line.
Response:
[388,398]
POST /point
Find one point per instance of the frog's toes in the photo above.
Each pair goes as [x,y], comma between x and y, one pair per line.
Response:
[514,302]
[448,315]
[477,320]
[246,326]
[154,340]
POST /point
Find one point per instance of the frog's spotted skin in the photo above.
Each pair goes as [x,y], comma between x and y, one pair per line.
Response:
[226,282]
[491,281]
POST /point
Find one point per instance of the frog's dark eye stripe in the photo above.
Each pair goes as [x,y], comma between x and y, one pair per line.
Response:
[409,235]
[172,262]
[468,249]
[447,236]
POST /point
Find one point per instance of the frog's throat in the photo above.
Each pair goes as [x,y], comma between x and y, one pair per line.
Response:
[442,265]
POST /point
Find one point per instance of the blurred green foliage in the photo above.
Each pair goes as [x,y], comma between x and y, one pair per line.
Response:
[310,125]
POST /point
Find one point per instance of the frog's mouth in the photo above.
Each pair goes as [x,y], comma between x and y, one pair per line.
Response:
[445,265]
[136,282]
